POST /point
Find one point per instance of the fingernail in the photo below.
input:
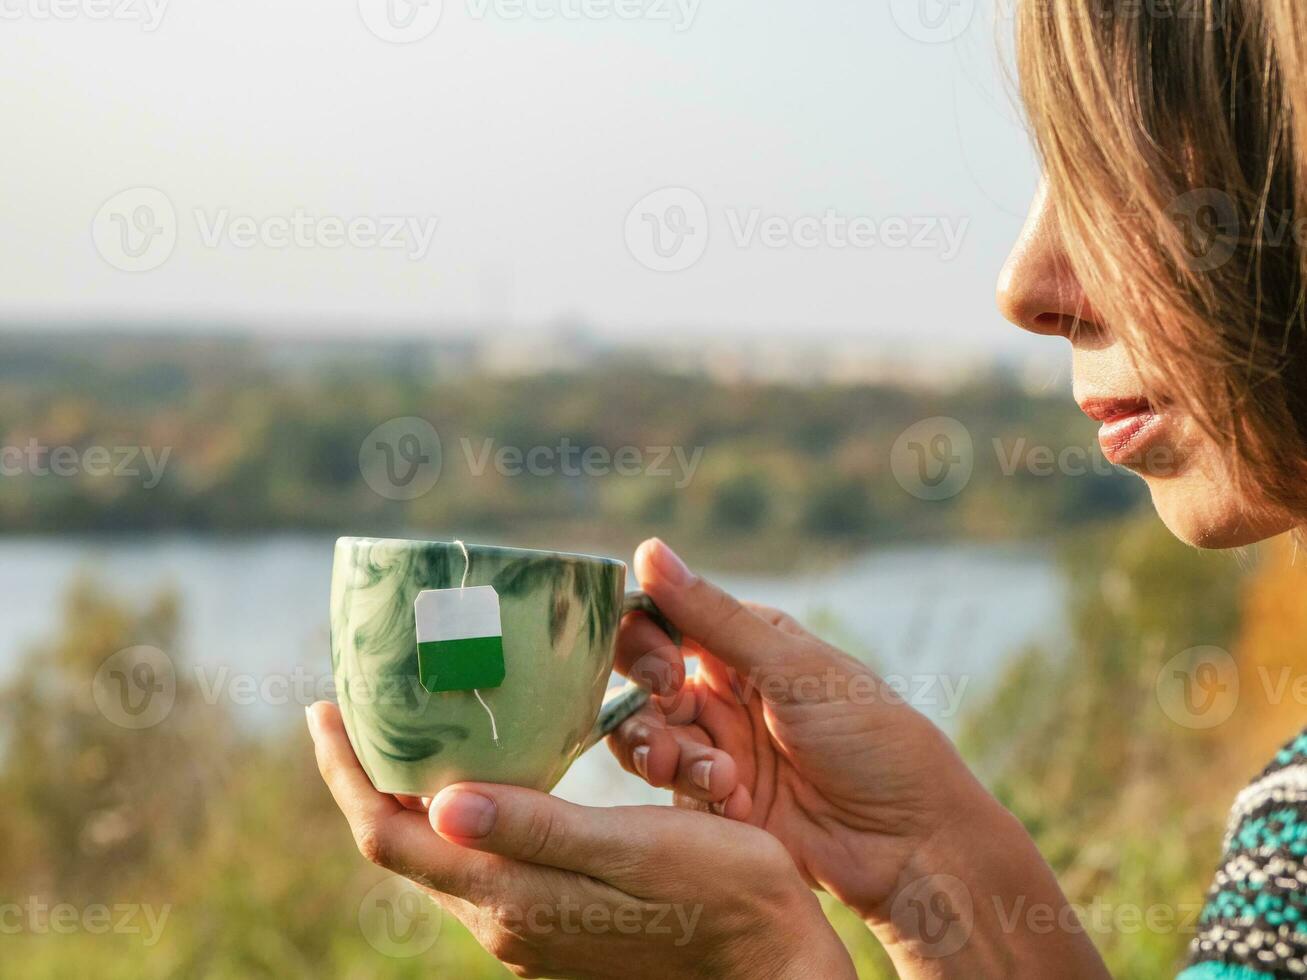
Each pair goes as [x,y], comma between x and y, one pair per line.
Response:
[308,717]
[701,774]
[463,814]
[640,757]
[669,564]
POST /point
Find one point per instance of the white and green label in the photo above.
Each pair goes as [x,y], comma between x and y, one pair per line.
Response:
[460,639]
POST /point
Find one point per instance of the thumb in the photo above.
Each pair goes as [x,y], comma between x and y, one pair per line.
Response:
[607,843]
[719,622]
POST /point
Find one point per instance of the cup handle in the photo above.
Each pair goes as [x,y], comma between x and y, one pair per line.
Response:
[624,701]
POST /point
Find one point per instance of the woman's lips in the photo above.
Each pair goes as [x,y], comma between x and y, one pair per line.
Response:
[1128,426]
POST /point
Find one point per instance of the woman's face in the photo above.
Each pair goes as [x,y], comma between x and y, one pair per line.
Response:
[1148,435]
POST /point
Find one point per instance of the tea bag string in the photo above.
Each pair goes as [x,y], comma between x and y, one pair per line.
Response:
[467,567]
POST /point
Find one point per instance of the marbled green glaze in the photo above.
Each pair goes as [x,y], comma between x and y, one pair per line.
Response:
[560,615]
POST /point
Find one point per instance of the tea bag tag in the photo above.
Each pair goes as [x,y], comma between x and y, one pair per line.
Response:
[460,639]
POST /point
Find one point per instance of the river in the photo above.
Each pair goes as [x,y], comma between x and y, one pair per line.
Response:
[940,621]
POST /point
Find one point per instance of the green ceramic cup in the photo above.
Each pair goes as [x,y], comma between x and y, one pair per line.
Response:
[559,615]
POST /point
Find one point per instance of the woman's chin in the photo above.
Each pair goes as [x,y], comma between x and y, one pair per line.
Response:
[1208,514]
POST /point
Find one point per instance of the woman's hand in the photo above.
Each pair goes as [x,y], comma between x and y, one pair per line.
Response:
[786,733]
[554,889]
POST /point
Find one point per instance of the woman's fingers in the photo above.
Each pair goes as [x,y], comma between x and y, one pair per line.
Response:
[681,758]
[720,623]
[363,806]
[647,655]
[388,833]
[738,806]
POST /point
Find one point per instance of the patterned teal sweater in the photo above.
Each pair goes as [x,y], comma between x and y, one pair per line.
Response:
[1254,925]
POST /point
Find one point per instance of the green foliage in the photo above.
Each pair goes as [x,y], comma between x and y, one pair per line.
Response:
[740,503]
[236,836]
[1075,742]
[258,444]
[232,842]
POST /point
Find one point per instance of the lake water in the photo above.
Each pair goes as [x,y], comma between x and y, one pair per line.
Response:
[939,621]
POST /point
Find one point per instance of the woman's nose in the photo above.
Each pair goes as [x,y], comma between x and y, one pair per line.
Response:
[1037,289]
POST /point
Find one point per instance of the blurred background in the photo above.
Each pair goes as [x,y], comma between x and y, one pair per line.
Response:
[557,274]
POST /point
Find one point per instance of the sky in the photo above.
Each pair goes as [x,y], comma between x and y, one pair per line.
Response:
[723,167]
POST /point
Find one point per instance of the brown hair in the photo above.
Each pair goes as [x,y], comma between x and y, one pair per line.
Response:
[1174,140]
